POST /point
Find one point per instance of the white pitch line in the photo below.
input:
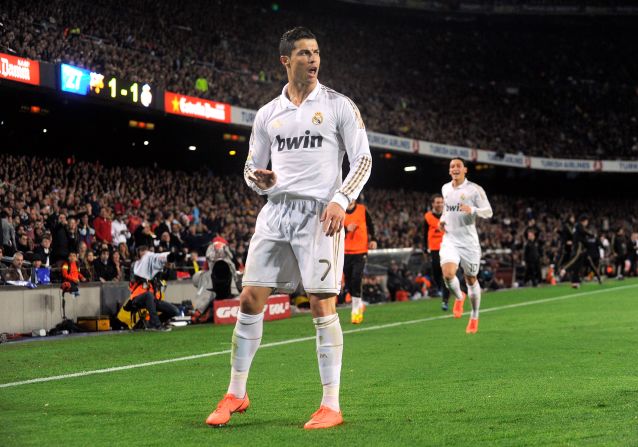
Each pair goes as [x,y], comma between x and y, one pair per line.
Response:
[299,340]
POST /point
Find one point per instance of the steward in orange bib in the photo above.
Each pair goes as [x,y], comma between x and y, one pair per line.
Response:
[433,238]
[71,275]
[145,288]
[359,238]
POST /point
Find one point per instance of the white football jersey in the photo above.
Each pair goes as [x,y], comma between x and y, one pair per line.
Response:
[459,226]
[306,145]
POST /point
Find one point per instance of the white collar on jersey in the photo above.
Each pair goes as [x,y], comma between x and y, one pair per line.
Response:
[462,184]
[285,102]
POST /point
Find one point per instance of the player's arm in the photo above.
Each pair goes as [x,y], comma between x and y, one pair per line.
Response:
[353,134]
[442,220]
[354,137]
[482,206]
[256,174]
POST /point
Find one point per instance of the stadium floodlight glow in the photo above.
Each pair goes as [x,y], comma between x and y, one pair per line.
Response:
[192,148]
[44,131]
[409,168]
[145,142]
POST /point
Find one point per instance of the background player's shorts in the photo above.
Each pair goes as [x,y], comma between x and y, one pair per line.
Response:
[467,256]
[289,246]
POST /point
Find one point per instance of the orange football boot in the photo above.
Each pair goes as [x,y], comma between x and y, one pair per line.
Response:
[472,326]
[227,406]
[324,417]
[458,306]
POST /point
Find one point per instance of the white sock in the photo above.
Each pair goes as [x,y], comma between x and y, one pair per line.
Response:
[454,286]
[246,340]
[329,351]
[474,292]
[356,304]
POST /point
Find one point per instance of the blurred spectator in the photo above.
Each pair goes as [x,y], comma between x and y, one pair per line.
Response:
[87,233]
[24,244]
[3,267]
[119,230]
[117,266]
[8,234]
[143,235]
[61,245]
[40,274]
[125,257]
[103,267]
[86,266]
[44,251]
[103,227]
[165,242]
[16,272]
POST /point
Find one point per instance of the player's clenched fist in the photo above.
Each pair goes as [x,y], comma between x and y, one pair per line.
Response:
[332,218]
[263,178]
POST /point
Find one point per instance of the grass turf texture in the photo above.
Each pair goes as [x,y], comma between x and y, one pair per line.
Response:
[561,372]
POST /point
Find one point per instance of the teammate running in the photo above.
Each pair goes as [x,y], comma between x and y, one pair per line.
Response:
[464,201]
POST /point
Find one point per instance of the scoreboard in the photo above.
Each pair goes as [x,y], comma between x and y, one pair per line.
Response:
[81,81]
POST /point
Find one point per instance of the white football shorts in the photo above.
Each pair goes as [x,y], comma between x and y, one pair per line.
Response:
[468,256]
[289,246]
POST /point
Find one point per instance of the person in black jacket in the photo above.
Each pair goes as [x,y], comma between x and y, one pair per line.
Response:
[532,256]
[63,240]
[620,246]
[580,256]
[566,243]
[104,268]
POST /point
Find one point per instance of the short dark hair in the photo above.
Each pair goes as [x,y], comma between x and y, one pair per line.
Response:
[141,248]
[436,196]
[458,158]
[288,39]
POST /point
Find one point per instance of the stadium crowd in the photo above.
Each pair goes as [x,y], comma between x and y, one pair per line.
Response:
[555,91]
[53,207]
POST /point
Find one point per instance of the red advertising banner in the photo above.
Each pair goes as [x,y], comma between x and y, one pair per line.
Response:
[277,308]
[19,69]
[196,107]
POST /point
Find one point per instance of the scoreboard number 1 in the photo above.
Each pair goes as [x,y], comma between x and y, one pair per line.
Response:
[134,89]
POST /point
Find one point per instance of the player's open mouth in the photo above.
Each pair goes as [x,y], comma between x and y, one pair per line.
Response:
[312,70]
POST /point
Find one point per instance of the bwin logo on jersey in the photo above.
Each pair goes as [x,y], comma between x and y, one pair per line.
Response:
[451,208]
[303,141]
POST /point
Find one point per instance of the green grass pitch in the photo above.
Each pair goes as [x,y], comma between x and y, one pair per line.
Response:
[550,366]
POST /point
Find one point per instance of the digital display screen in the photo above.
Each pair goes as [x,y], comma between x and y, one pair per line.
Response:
[74,79]
[84,82]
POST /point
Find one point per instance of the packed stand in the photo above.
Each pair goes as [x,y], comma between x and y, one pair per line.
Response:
[551,91]
[83,221]
[53,210]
